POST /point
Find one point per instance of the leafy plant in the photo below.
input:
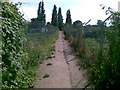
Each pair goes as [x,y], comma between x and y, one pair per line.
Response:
[46,76]
[39,47]
[13,73]
[101,57]
[105,71]
[49,64]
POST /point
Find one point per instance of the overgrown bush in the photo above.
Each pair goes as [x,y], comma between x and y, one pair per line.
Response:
[13,74]
[75,35]
[101,57]
[21,56]
[105,72]
[40,47]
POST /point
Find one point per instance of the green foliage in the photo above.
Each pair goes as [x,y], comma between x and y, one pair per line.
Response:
[105,72]
[41,13]
[49,64]
[74,33]
[60,19]
[40,21]
[20,58]
[91,52]
[101,57]
[13,74]
[34,24]
[68,17]
[54,20]
[39,47]
[46,76]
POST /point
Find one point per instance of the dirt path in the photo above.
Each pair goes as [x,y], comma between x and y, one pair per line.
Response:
[63,73]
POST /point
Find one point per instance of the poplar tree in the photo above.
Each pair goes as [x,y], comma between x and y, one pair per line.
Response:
[54,20]
[41,13]
[60,19]
[68,17]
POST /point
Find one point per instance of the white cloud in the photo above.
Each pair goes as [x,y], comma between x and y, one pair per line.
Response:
[29,12]
[48,15]
[90,9]
[119,6]
[80,9]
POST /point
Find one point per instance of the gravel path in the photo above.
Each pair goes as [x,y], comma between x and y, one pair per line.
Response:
[63,73]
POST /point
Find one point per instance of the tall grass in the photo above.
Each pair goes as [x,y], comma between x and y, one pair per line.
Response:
[101,57]
[105,72]
[39,46]
[92,50]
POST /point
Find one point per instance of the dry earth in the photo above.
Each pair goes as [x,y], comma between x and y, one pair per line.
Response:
[63,73]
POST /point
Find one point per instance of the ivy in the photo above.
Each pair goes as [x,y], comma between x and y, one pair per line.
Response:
[13,74]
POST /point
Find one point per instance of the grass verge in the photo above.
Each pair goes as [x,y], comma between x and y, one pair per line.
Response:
[39,47]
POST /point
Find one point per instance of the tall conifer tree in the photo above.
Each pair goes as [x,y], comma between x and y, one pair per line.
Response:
[54,20]
[41,13]
[60,19]
[68,17]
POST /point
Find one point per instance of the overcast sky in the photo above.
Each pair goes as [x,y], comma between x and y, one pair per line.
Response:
[80,9]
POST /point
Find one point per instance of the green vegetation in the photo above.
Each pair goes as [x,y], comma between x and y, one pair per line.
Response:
[68,17]
[22,52]
[60,19]
[46,76]
[41,13]
[91,49]
[40,47]
[74,33]
[105,71]
[49,64]
[13,73]
[40,20]
[54,20]
[101,51]
[97,46]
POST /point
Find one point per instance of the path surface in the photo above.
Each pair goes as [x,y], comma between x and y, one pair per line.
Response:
[63,72]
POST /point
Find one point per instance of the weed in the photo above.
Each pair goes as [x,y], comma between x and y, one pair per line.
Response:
[53,56]
[38,47]
[41,62]
[49,64]
[46,76]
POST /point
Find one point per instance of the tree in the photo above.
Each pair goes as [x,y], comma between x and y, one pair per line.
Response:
[68,17]
[54,20]
[41,13]
[60,19]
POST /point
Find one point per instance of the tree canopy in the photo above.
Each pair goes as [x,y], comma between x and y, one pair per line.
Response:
[60,19]
[54,16]
[41,13]
[68,17]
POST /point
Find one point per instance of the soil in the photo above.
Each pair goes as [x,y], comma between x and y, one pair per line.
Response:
[63,71]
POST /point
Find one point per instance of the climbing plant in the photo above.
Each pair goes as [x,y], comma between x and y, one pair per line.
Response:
[13,73]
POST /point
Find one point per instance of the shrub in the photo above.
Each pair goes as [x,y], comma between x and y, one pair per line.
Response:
[105,72]
[13,74]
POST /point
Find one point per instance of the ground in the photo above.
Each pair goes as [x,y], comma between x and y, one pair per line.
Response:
[62,70]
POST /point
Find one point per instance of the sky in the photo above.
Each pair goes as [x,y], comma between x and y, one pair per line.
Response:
[82,10]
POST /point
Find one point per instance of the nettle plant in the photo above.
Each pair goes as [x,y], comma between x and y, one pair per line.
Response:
[13,73]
